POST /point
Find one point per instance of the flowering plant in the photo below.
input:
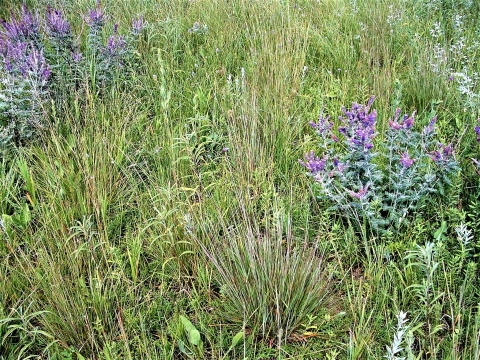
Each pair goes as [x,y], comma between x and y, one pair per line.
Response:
[40,66]
[477,132]
[377,184]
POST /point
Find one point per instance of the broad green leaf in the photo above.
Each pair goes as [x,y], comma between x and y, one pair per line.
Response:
[237,338]
[440,231]
[193,333]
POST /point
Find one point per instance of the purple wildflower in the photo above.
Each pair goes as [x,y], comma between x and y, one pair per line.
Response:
[431,126]
[406,161]
[340,166]
[406,123]
[443,154]
[36,66]
[24,28]
[313,163]
[13,54]
[96,17]
[360,194]
[323,126]
[116,45]
[359,125]
[477,131]
[77,56]
[394,123]
[138,25]
[57,26]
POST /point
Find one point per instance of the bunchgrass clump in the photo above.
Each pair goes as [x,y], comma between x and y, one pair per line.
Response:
[269,282]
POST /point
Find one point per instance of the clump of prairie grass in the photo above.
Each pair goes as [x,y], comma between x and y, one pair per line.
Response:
[270,281]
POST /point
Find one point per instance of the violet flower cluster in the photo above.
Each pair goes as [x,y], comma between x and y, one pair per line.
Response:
[40,61]
[115,56]
[477,132]
[25,76]
[377,185]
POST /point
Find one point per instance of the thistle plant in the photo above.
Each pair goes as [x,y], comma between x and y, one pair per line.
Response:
[380,185]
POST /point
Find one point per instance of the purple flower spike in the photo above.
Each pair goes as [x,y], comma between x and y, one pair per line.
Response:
[406,123]
[57,26]
[24,28]
[115,45]
[340,167]
[431,126]
[323,126]
[313,163]
[443,154]
[138,25]
[96,17]
[77,56]
[13,55]
[35,65]
[359,126]
[477,131]
[406,161]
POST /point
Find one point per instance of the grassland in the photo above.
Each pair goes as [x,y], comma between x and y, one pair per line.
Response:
[169,218]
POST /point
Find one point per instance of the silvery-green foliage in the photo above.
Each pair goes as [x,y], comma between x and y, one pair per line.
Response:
[380,184]
[115,57]
[396,347]
[39,66]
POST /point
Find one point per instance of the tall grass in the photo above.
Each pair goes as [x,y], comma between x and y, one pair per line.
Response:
[171,204]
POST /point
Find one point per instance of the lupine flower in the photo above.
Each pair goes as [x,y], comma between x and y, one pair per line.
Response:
[313,163]
[25,28]
[57,26]
[138,25]
[406,161]
[360,194]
